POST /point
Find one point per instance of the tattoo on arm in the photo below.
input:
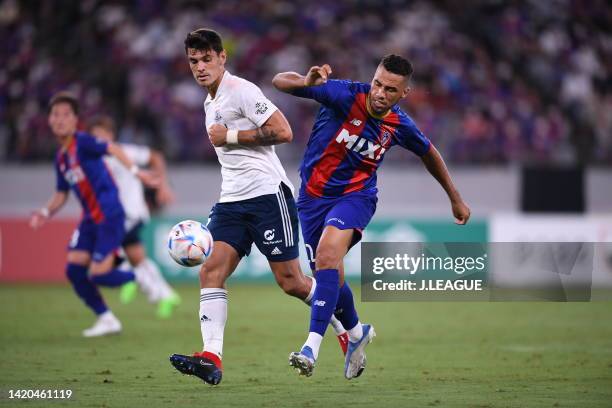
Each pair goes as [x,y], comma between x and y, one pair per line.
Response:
[267,137]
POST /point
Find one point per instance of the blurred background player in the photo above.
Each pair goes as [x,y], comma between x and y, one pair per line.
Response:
[131,195]
[256,204]
[79,166]
[357,123]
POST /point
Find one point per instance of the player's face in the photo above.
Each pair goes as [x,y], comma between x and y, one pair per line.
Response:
[206,66]
[103,133]
[62,120]
[387,90]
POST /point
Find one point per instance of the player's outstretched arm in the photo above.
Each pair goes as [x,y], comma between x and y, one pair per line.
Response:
[435,165]
[148,178]
[276,130]
[290,81]
[55,203]
[158,166]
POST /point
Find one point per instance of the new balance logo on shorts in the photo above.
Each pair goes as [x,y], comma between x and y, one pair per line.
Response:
[276,251]
[319,303]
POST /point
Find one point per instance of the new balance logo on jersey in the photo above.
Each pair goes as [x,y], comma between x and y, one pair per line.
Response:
[319,303]
[276,251]
[359,145]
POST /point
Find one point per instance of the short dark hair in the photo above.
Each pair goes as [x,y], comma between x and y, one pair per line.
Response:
[204,39]
[103,121]
[65,97]
[397,65]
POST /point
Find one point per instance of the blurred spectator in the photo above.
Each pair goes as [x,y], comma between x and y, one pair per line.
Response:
[497,82]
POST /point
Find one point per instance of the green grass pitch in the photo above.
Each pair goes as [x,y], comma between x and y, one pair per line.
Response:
[426,354]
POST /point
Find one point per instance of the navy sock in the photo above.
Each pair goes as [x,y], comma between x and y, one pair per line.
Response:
[87,291]
[324,299]
[113,278]
[345,308]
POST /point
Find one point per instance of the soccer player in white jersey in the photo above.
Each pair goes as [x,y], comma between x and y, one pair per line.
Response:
[256,204]
[131,195]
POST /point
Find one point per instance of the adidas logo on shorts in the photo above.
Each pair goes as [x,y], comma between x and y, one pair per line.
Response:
[276,251]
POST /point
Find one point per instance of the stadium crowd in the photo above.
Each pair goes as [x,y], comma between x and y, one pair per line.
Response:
[496,82]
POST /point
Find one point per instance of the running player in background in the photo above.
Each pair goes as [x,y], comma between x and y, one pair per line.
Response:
[131,195]
[356,124]
[91,252]
[256,204]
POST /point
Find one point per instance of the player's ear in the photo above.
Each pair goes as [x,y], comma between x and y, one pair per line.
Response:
[223,57]
[405,91]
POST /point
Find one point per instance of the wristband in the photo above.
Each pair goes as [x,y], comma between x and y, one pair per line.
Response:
[134,169]
[231,137]
[45,212]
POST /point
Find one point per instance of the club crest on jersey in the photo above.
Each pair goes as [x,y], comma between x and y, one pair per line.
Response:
[218,117]
[385,138]
[74,175]
[360,145]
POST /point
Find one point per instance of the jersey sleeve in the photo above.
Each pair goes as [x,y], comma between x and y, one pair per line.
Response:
[329,93]
[255,106]
[139,155]
[92,146]
[60,182]
[410,137]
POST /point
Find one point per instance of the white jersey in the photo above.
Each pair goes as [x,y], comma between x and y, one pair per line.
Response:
[131,191]
[247,171]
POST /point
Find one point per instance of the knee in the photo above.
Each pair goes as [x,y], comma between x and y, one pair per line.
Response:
[211,277]
[75,272]
[327,257]
[293,287]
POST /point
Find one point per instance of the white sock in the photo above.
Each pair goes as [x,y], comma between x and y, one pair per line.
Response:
[356,333]
[162,288]
[312,289]
[314,342]
[338,328]
[145,281]
[213,315]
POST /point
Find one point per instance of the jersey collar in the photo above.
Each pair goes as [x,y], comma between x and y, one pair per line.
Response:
[224,79]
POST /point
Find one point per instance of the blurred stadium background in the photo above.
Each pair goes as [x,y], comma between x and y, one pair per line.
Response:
[517,96]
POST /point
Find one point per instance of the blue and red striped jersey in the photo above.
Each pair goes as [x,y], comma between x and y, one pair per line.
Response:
[347,144]
[80,167]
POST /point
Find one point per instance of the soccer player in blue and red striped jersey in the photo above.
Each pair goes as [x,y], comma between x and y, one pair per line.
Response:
[356,125]
[80,167]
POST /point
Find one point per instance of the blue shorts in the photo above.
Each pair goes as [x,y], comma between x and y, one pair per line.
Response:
[270,221]
[352,211]
[132,236]
[98,239]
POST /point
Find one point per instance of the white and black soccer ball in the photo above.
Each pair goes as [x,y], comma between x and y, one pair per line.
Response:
[190,243]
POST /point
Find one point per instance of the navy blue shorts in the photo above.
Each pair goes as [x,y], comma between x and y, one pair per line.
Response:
[270,221]
[352,211]
[133,235]
[98,239]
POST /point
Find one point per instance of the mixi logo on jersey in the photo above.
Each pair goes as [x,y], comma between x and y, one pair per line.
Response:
[363,146]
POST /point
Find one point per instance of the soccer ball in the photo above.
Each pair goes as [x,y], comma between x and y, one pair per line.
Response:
[190,243]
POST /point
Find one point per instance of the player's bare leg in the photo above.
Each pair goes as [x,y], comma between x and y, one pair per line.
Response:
[213,315]
[150,280]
